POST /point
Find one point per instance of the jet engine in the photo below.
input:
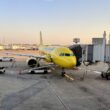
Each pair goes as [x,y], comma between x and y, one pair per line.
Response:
[32,62]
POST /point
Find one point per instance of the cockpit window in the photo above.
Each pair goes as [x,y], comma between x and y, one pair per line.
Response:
[62,54]
[66,54]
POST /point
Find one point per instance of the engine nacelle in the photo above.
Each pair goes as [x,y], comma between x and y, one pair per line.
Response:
[32,62]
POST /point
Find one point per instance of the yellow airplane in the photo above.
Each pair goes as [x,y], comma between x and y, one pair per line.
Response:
[59,55]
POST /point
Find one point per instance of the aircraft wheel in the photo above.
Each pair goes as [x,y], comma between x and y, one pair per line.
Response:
[2,72]
[102,75]
[32,72]
[63,74]
[107,77]
[38,65]
[45,71]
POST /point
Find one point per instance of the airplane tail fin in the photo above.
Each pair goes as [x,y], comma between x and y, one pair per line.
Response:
[41,40]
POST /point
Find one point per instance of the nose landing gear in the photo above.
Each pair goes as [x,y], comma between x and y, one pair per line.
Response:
[63,72]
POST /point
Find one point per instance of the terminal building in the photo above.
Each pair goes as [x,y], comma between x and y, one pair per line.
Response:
[98,51]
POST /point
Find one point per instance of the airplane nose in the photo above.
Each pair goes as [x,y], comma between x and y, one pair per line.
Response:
[68,62]
[72,62]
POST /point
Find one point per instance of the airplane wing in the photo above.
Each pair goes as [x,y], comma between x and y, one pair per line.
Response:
[27,55]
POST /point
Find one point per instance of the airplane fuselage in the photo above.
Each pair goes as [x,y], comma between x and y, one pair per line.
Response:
[61,56]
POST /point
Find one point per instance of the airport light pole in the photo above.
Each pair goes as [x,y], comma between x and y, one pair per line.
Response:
[104,44]
[109,47]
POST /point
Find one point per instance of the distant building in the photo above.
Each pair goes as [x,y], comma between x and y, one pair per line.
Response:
[15,46]
[24,46]
[19,47]
[1,47]
[8,47]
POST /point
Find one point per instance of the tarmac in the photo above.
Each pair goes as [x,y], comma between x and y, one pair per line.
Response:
[51,91]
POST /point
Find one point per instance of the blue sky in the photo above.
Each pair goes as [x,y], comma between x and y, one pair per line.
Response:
[59,20]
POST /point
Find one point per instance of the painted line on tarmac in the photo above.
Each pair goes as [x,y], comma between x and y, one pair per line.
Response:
[69,77]
[95,71]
